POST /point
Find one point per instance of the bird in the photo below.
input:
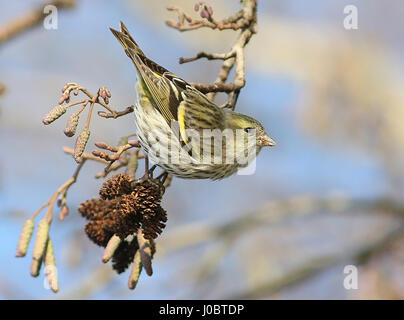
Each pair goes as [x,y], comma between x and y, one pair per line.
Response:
[184,132]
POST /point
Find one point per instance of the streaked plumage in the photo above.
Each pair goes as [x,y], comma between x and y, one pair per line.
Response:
[169,109]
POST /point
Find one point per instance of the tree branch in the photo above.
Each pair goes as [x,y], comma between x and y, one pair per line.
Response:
[29,20]
[244,20]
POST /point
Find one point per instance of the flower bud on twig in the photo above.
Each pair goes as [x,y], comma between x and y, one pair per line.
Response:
[102,145]
[65,97]
[105,94]
[204,14]
[64,212]
[210,11]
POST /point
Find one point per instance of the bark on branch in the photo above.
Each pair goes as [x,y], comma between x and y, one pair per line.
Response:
[244,20]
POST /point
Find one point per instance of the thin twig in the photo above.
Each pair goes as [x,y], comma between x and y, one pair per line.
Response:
[61,190]
[244,20]
[116,114]
[209,56]
[26,21]
[2,88]
[86,156]
[228,23]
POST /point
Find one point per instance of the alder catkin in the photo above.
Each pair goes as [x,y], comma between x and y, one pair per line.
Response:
[81,144]
[145,253]
[71,125]
[136,270]
[50,267]
[41,239]
[25,238]
[39,247]
[111,247]
[54,114]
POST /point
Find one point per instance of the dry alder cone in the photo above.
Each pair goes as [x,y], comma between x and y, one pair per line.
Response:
[122,209]
[118,185]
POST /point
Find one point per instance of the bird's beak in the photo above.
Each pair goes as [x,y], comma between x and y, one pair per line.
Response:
[267,141]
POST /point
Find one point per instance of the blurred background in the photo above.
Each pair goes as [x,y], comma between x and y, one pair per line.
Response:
[330,194]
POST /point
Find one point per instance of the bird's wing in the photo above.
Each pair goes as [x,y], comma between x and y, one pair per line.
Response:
[197,112]
[174,98]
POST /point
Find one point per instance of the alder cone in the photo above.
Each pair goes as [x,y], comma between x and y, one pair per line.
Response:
[116,186]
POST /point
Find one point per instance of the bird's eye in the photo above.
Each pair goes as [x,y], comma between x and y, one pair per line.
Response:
[248,129]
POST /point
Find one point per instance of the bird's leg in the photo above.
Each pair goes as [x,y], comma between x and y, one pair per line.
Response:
[151,170]
[150,178]
[162,177]
[148,173]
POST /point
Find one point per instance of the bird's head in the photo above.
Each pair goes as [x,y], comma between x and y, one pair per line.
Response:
[249,127]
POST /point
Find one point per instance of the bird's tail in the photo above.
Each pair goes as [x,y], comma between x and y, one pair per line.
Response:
[134,52]
[126,39]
